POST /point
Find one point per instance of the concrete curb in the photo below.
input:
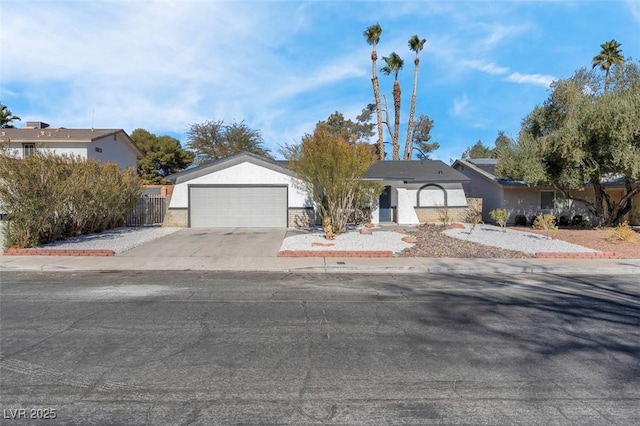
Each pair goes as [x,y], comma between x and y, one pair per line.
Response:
[56,252]
[393,265]
[577,255]
[335,253]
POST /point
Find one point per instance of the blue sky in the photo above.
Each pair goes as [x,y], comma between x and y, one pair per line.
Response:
[282,66]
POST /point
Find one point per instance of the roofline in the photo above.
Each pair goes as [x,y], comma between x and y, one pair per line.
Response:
[223,163]
[483,173]
[110,132]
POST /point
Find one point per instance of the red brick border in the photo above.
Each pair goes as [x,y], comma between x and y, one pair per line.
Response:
[335,253]
[56,252]
[577,255]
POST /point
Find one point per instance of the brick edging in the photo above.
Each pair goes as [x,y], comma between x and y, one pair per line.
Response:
[577,255]
[335,253]
[56,252]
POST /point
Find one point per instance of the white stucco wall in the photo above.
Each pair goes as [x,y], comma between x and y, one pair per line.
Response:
[244,174]
[405,197]
[406,212]
[432,195]
[76,149]
[114,150]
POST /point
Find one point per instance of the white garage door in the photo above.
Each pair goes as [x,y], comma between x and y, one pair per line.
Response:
[238,206]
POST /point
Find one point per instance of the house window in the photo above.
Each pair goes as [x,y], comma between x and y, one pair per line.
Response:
[28,149]
[553,200]
[98,149]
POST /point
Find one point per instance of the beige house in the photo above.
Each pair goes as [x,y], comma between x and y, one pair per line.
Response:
[105,145]
[520,198]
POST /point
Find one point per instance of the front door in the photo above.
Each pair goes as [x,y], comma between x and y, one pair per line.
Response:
[385,205]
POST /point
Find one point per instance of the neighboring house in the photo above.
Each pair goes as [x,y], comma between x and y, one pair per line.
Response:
[105,145]
[418,191]
[246,190]
[520,198]
[241,190]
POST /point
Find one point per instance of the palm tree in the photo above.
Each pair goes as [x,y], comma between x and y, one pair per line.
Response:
[372,34]
[416,45]
[394,65]
[609,55]
[7,117]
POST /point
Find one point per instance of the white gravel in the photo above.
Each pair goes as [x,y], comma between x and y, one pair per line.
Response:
[514,240]
[122,239]
[351,240]
[119,240]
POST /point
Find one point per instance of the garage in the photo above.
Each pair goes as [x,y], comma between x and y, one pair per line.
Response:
[238,206]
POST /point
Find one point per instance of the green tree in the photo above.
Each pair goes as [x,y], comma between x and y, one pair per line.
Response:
[580,135]
[394,64]
[477,150]
[163,156]
[214,139]
[416,45]
[421,136]
[372,35]
[332,170]
[352,131]
[610,54]
[7,117]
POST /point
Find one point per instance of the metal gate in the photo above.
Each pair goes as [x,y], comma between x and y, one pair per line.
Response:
[149,209]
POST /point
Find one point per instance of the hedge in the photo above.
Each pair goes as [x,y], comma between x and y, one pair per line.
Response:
[48,197]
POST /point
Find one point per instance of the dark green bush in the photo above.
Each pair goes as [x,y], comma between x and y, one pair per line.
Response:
[520,220]
[579,220]
[49,197]
[564,221]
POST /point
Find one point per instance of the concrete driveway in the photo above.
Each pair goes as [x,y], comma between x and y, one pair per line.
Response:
[215,243]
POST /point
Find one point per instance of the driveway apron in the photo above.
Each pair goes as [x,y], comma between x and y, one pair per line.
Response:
[214,242]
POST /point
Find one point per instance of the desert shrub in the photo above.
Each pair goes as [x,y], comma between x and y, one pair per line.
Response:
[443,215]
[473,216]
[520,220]
[50,197]
[332,170]
[545,222]
[622,233]
[500,216]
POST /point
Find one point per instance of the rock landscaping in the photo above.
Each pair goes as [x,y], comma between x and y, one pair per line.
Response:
[432,242]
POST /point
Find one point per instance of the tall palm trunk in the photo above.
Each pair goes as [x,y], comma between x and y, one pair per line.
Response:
[397,92]
[376,95]
[394,65]
[415,44]
[408,145]
[372,35]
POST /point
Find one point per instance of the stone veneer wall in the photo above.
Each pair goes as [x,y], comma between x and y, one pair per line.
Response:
[176,217]
[456,214]
[302,217]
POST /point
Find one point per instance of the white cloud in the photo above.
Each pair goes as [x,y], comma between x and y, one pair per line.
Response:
[498,33]
[460,105]
[536,79]
[488,67]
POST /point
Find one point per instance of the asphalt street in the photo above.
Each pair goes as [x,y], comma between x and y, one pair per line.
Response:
[127,347]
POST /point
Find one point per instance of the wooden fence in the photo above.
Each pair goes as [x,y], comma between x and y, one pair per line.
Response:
[148,210]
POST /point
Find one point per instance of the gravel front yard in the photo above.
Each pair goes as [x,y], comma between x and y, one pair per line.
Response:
[433,242]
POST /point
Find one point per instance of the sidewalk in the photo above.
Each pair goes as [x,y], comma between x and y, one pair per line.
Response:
[393,265]
[237,250]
